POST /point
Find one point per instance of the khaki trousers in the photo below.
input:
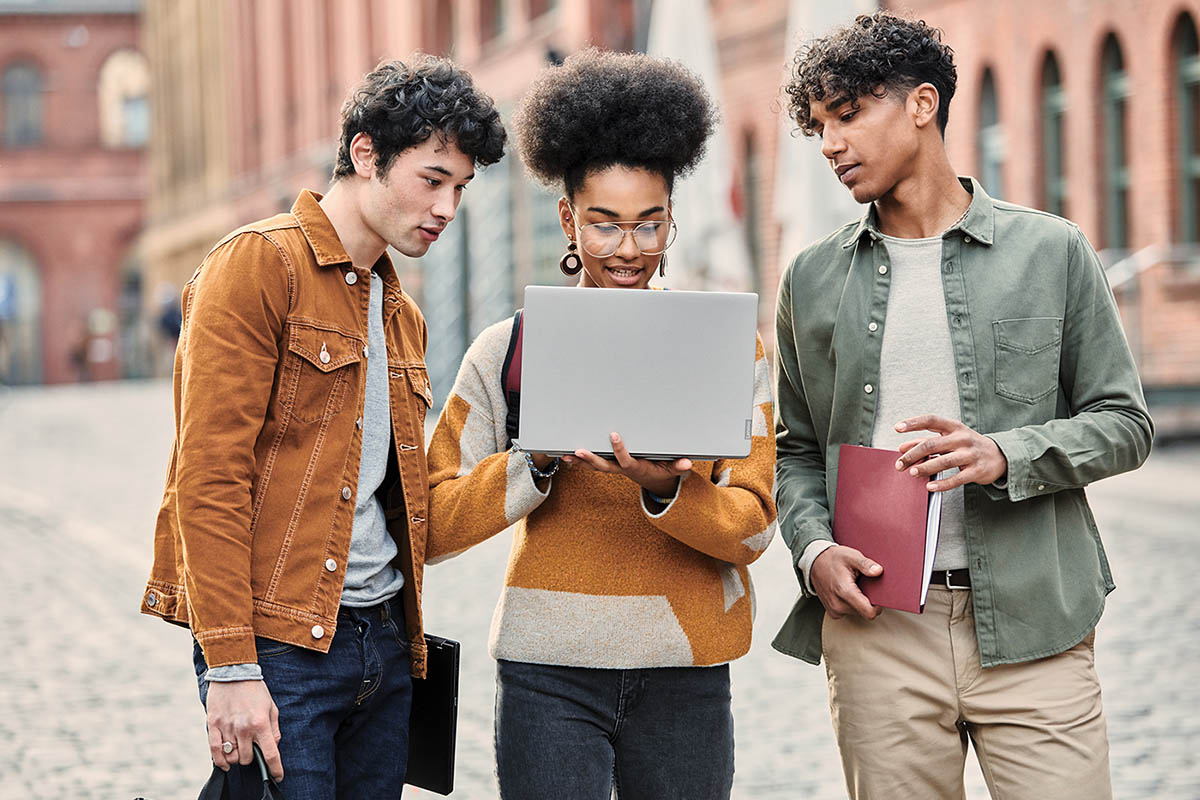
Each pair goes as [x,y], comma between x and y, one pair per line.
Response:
[907,690]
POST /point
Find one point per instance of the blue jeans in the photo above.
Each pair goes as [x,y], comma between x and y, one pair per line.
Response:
[575,732]
[343,715]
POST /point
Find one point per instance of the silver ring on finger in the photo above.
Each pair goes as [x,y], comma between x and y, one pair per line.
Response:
[227,747]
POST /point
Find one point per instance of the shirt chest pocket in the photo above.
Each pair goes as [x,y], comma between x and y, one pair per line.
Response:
[320,372]
[1027,355]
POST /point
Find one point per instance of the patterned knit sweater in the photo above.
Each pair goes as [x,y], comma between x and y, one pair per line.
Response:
[595,577]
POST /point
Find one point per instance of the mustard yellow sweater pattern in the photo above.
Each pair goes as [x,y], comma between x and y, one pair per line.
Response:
[595,577]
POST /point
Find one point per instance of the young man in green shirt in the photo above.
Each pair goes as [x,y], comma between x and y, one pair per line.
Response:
[971,335]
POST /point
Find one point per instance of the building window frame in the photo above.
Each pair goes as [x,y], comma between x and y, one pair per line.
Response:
[1114,114]
[990,142]
[1053,128]
[1185,51]
[23,85]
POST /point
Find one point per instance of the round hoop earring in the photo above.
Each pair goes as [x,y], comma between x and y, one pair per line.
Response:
[662,266]
[570,263]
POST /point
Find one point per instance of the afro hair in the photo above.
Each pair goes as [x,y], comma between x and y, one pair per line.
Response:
[600,109]
[875,54]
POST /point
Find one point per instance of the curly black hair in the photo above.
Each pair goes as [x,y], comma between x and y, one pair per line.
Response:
[600,109]
[875,54]
[400,106]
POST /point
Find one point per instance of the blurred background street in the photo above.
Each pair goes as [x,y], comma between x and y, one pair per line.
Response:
[135,133]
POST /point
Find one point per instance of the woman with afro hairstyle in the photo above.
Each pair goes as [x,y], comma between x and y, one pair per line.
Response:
[627,592]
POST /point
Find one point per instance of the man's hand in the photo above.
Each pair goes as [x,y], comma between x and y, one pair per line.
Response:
[657,477]
[978,458]
[242,712]
[833,575]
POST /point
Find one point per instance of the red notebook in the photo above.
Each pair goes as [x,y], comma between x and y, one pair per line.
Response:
[890,517]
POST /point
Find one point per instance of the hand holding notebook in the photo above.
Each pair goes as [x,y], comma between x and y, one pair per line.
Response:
[891,518]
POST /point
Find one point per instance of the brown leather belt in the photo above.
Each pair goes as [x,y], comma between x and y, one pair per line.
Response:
[951,578]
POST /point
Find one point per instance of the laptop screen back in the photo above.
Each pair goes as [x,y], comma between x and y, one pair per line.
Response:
[671,371]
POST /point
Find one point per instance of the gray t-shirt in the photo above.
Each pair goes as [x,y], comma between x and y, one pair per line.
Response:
[370,576]
[916,369]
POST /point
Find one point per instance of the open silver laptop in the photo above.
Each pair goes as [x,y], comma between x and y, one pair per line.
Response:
[671,371]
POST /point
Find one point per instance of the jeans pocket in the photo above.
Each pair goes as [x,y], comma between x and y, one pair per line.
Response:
[398,634]
[1027,355]
[269,648]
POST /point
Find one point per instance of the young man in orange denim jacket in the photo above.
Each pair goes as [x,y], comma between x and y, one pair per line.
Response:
[291,537]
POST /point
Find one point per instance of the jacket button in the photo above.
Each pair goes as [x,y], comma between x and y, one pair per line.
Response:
[868,388]
[874,326]
[358,422]
[366,351]
[351,278]
[967,239]
[318,632]
[346,492]
[330,565]
[151,599]
[1041,487]
[883,269]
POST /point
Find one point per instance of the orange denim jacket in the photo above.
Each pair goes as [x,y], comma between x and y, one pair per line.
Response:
[254,529]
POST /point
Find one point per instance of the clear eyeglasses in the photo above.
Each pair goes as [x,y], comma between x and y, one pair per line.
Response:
[602,239]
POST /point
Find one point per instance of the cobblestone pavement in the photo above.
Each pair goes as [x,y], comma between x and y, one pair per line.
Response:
[99,702]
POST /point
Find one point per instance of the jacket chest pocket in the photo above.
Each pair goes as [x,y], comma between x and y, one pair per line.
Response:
[1027,354]
[320,372]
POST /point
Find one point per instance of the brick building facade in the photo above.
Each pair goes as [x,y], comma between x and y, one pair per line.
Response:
[73,124]
[1092,110]
[229,148]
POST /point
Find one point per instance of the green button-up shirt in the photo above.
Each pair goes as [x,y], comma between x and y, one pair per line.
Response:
[1042,367]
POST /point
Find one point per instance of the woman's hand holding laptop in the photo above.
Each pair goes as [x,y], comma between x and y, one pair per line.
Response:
[659,478]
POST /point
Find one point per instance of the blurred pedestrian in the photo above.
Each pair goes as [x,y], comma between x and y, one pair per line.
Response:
[291,534]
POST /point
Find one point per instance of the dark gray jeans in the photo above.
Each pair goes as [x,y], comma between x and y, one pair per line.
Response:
[654,734]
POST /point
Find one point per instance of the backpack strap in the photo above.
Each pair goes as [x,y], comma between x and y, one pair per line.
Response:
[510,380]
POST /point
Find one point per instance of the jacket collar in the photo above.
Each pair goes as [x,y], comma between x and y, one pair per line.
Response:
[317,228]
[979,222]
[327,247]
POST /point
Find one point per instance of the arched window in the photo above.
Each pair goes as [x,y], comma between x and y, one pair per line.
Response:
[1054,182]
[20,316]
[124,108]
[1186,56]
[22,85]
[991,138]
[1114,88]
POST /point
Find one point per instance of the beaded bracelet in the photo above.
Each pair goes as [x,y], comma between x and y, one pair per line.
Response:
[537,473]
